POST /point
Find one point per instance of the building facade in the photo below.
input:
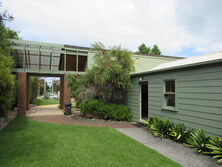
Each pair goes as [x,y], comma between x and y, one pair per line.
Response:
[56,60]
[186,91]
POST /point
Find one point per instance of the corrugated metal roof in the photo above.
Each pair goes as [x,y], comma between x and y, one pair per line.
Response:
[188,62]
[144,54]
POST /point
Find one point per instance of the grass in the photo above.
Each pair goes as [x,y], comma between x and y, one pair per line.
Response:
[41,102]
[30,143]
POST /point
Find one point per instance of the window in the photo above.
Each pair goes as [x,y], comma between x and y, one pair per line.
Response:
[169,93]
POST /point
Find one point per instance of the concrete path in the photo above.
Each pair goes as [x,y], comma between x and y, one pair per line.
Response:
[177,152]
[52,114]
[44,110]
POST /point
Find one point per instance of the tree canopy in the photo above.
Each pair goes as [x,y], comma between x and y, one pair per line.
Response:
[109,77]
[155,50]
[147,50]
[7,79]
[144,49]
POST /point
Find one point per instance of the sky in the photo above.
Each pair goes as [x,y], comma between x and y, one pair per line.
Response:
[50,80]
[179,27]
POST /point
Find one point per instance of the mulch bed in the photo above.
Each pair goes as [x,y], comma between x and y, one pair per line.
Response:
[61,119]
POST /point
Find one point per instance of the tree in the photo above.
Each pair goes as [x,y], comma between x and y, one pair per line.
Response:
[34,83]
[155,50]
[77,84]
[109,77]
[41,86]
[7,79]
[144,49]
[56,85]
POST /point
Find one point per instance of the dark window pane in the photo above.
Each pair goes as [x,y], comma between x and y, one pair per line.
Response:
[170,100]
[170,86]
[82,63]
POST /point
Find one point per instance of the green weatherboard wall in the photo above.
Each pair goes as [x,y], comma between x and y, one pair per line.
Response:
[198,97]
[142,62]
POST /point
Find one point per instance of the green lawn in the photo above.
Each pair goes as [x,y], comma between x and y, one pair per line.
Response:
[29,143]
[41,102]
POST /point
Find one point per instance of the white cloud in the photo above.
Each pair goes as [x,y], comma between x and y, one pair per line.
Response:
[172,24]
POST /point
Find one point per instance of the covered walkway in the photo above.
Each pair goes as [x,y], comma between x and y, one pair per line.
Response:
[45,110]
[23,91]
[46,60]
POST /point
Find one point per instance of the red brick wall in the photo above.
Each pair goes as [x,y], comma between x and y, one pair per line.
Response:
[65,92]
[22,93]
[61,91]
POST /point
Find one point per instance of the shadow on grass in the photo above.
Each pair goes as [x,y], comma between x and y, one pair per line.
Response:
[20,141]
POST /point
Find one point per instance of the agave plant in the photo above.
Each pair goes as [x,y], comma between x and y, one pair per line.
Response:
[198,141]
[161,128]
[216,147]
[151,121]
[180,133]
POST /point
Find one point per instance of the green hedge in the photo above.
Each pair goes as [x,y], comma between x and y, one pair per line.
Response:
[195,139]
[102,110]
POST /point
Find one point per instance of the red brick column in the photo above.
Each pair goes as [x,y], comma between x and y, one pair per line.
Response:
[27,93]
[65,92]
[61,92]
[22,93]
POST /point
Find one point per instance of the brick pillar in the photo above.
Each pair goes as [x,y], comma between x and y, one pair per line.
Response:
[22,93]
[61,92]
[65,92]
[27,92]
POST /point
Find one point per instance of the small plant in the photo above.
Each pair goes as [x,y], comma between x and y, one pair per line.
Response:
[216,147]
[180,133]
[198,141]
[161,128]
[151,121]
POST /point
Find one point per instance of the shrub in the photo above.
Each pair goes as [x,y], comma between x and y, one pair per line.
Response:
[180,133]
[91,107]
[99,109]
[118,112]
[161,128]
[198,141]
[216,149]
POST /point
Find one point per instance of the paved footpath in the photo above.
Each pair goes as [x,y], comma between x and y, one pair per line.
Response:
[177,152]
[52,114]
